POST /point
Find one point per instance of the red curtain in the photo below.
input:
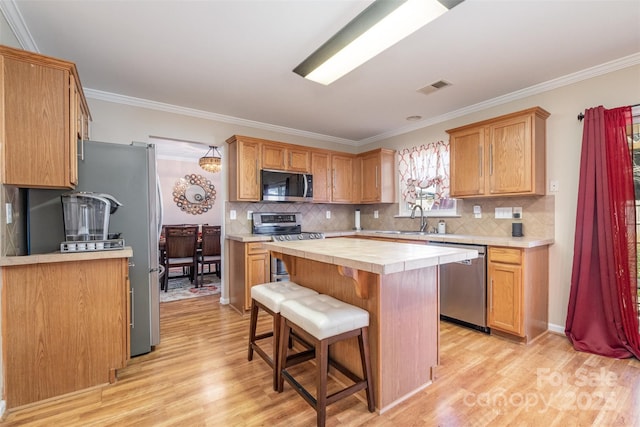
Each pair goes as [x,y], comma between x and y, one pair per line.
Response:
[602,315]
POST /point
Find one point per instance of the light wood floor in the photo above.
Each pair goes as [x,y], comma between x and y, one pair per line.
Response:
[199,376]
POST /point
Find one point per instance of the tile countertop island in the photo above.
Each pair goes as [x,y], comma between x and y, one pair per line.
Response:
[397,283]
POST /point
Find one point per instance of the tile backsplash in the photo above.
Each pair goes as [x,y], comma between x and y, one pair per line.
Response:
[537,218]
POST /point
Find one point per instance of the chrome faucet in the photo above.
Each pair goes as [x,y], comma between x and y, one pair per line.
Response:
[423,220]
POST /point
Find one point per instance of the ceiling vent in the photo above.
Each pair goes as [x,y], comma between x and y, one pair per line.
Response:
[434,87]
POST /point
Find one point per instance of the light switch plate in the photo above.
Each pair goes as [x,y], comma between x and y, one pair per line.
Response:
[232,214]
[328,214]
[504,213]
[376,215]
[249,213]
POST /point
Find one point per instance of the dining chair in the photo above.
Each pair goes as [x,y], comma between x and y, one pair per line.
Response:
[211,249]
[181,245]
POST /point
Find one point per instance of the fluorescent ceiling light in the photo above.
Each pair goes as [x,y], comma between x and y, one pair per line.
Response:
[378,27]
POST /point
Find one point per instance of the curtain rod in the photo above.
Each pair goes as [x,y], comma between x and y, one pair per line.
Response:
[581,115]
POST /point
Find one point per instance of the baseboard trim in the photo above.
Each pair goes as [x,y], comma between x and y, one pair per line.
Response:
[558,329]
[224,301]
[3,408]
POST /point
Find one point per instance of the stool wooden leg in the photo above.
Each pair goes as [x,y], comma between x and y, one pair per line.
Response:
[322,352]
[363,341]
[252,329]
[277,319]
[282,354]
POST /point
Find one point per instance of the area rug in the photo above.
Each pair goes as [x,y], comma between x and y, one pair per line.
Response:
[181,288]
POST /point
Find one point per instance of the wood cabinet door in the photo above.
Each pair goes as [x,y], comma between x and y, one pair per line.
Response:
[282,157]
[258,271]
[371,179]
[36,125]
[467,162]
[505,291]
[510,156]
[298,160]
[248,167]
[321,171]
[75,129]
[341,178]
[273,156]
[65,327]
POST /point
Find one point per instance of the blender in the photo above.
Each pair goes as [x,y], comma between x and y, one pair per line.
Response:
[86,222]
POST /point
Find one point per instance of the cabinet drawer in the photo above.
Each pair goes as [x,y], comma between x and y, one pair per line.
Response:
[256,248]
[505,255]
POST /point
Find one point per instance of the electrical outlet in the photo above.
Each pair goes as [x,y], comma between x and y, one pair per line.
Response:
[517,212]
[477,211]
[232,214]
[376,214]
[249,213]
[328,214]
[554,186]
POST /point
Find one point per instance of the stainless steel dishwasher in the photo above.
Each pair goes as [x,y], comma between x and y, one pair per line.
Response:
[463,289]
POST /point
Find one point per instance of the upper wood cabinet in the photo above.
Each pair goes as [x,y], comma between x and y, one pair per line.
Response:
[286,157]
[500,157]
[337,177]
[321,171]
[378,173]
[342,178]
[333,177]
[245,162]
[39,124]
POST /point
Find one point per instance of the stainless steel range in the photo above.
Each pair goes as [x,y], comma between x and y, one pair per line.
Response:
[281,226]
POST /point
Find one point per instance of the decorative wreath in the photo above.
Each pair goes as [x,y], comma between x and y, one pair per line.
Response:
[194,194]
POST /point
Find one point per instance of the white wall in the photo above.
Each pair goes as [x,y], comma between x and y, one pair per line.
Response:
[169,172]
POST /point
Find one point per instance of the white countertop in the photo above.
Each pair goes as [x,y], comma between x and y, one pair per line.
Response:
[516,242]
[9,261]
[374,256]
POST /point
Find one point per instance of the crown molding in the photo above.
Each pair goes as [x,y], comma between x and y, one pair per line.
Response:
[175,109]
[19,28]
[598,70]
[16,22]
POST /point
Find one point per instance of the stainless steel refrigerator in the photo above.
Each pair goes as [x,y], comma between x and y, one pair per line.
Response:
[127,172]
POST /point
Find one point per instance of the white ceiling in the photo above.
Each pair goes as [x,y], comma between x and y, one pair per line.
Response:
[233,59]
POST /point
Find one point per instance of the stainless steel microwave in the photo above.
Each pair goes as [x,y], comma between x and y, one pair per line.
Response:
[281,186]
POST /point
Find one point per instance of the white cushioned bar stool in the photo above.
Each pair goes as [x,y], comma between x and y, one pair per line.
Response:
[268,297]
[322,320]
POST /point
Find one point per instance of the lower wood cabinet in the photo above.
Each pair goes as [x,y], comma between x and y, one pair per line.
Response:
[65,327]
[518,291]
[250,265]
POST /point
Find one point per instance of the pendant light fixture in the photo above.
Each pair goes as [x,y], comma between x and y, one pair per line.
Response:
[211,163]
[378,27]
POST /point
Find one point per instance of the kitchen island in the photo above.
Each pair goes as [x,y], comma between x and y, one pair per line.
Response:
[397,283]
